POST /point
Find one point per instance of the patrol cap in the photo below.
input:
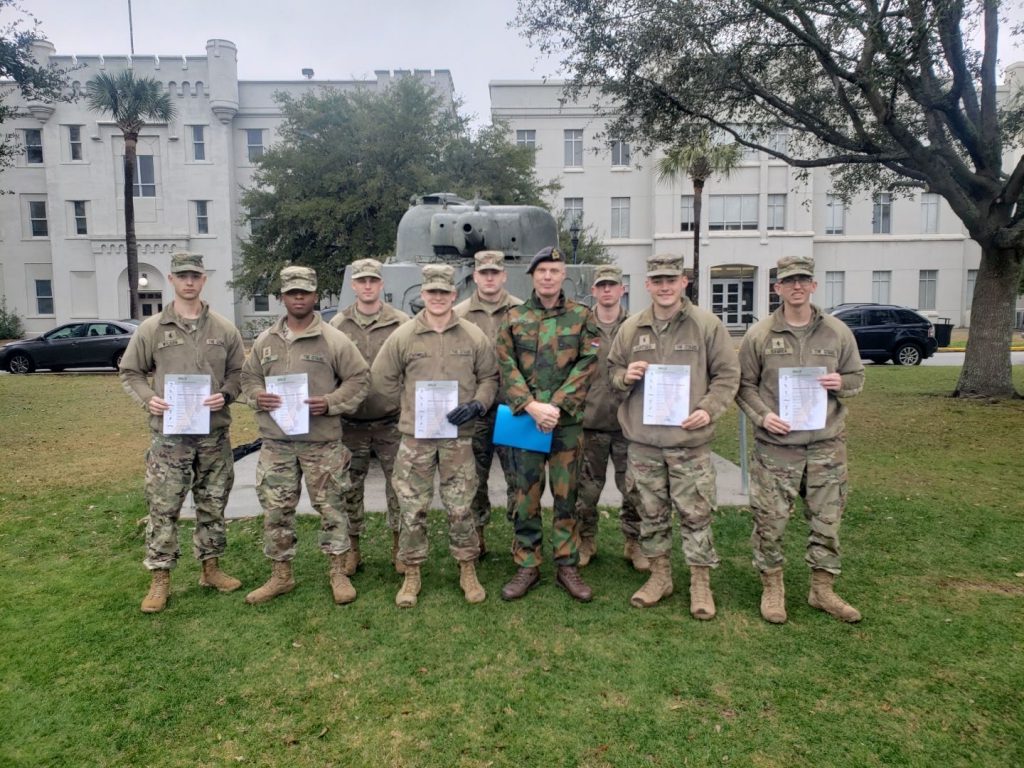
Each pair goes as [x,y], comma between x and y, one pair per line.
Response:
[182,261]
[438,277]
[795,265]
[367,268]
[608,273]
[490,260]
[664,265]
[298,279]
[545,254]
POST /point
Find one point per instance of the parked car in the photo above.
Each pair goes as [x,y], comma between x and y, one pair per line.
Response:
[328,313]
[92,344]
[887,332]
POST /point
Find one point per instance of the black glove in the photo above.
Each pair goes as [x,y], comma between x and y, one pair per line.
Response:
[466,412]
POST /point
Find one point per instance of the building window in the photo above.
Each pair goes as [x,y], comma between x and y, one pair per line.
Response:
[526,138]
[972,280]
[256,223]
[686,220]
[927,282]
[145,177]
[254,143]
[778,140]
[78,210]
[620,217]
[574,148]
[835,288]
[75,141]
[732,212]
[835,215]
[880,284]
[881,214]
[199,142]
[37,218]
[573,211]
[44,297]
[620,152]
[33,145]
[261,303]
[202,208]
[929,213]
[776,212]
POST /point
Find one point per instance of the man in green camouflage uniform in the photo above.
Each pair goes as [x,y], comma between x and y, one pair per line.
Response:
[486,309]
[602,435]
[436,346]
[547,349]
[337,379]
[373,429]
[187,337]
[669,466]
[792,462]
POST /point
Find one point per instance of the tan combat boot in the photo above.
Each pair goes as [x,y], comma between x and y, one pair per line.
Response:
[341,587]
[702,602]
[635,555]
[399,565]
[483,544]
[824,599]
[353,559]
[471,586]
[213,576]
[588,548]
[773,597]
[156,599]
[279,583]
[406,597]
[658,585]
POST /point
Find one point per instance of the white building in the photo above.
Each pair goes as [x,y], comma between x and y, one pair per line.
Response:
[914,252]
[62,252]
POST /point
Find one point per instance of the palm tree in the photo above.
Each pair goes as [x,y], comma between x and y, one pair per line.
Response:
[132,102]
[700,159]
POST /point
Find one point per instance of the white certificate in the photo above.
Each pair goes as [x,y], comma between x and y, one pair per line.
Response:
[185,394]
[803,402]
[666,395]
[434,400]
[293,415]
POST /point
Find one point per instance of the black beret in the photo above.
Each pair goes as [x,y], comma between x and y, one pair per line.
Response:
[545,254]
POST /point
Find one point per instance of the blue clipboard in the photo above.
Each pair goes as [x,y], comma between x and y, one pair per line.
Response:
[520,431]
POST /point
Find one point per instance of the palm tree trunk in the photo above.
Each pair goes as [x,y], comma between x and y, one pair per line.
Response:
[131,246]
[698,204]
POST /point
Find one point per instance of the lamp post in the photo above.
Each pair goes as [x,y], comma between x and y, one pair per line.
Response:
[574,237]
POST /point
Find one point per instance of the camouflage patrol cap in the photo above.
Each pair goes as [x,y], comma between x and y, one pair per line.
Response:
[182,261]
[664,265]
[367,268]
[795,265]
[438,277]
[298,279]
[545,254]
[608,273]
[490,260]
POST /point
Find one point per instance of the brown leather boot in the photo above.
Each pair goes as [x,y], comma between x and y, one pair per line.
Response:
[399,565]
[406,597]
[824,599]
[341,587]
[658,586]
[524,580]
[471,586]
[279,583]
[588,548]
[702,602]
[632,552]
[773,598]
[568,578]
[483,544]
[159,586]
[212,576]
[352,558]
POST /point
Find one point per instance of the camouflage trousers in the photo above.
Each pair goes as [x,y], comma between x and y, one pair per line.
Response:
[563,465]
[175,465]
[415,466]
[365,438]
[598,446]
[483,453]
[281,467]
[780,473]
[663,480]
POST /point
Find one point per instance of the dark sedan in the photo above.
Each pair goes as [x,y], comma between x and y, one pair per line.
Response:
[90,344]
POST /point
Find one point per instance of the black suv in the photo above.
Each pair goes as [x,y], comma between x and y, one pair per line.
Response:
[886,332]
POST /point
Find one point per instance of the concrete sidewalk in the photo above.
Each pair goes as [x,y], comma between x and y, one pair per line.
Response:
[244,503]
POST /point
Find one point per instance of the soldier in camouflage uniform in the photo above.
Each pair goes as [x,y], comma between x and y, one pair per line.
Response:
[547,349]
[187,337]
[373,429]
[669,466]
[602,436]
[486,309]
[337,380]
[789,462]
[436,346]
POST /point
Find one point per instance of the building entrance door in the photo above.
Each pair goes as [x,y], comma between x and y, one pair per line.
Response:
[151,303]
[732,301]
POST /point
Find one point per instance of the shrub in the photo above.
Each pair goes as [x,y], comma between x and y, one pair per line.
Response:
[10,322]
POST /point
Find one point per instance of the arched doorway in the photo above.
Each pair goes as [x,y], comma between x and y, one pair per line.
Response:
[151,291]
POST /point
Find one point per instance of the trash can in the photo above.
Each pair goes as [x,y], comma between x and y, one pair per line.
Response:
[943,331]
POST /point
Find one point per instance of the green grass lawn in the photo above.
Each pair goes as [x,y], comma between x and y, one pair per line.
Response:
[933,676]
